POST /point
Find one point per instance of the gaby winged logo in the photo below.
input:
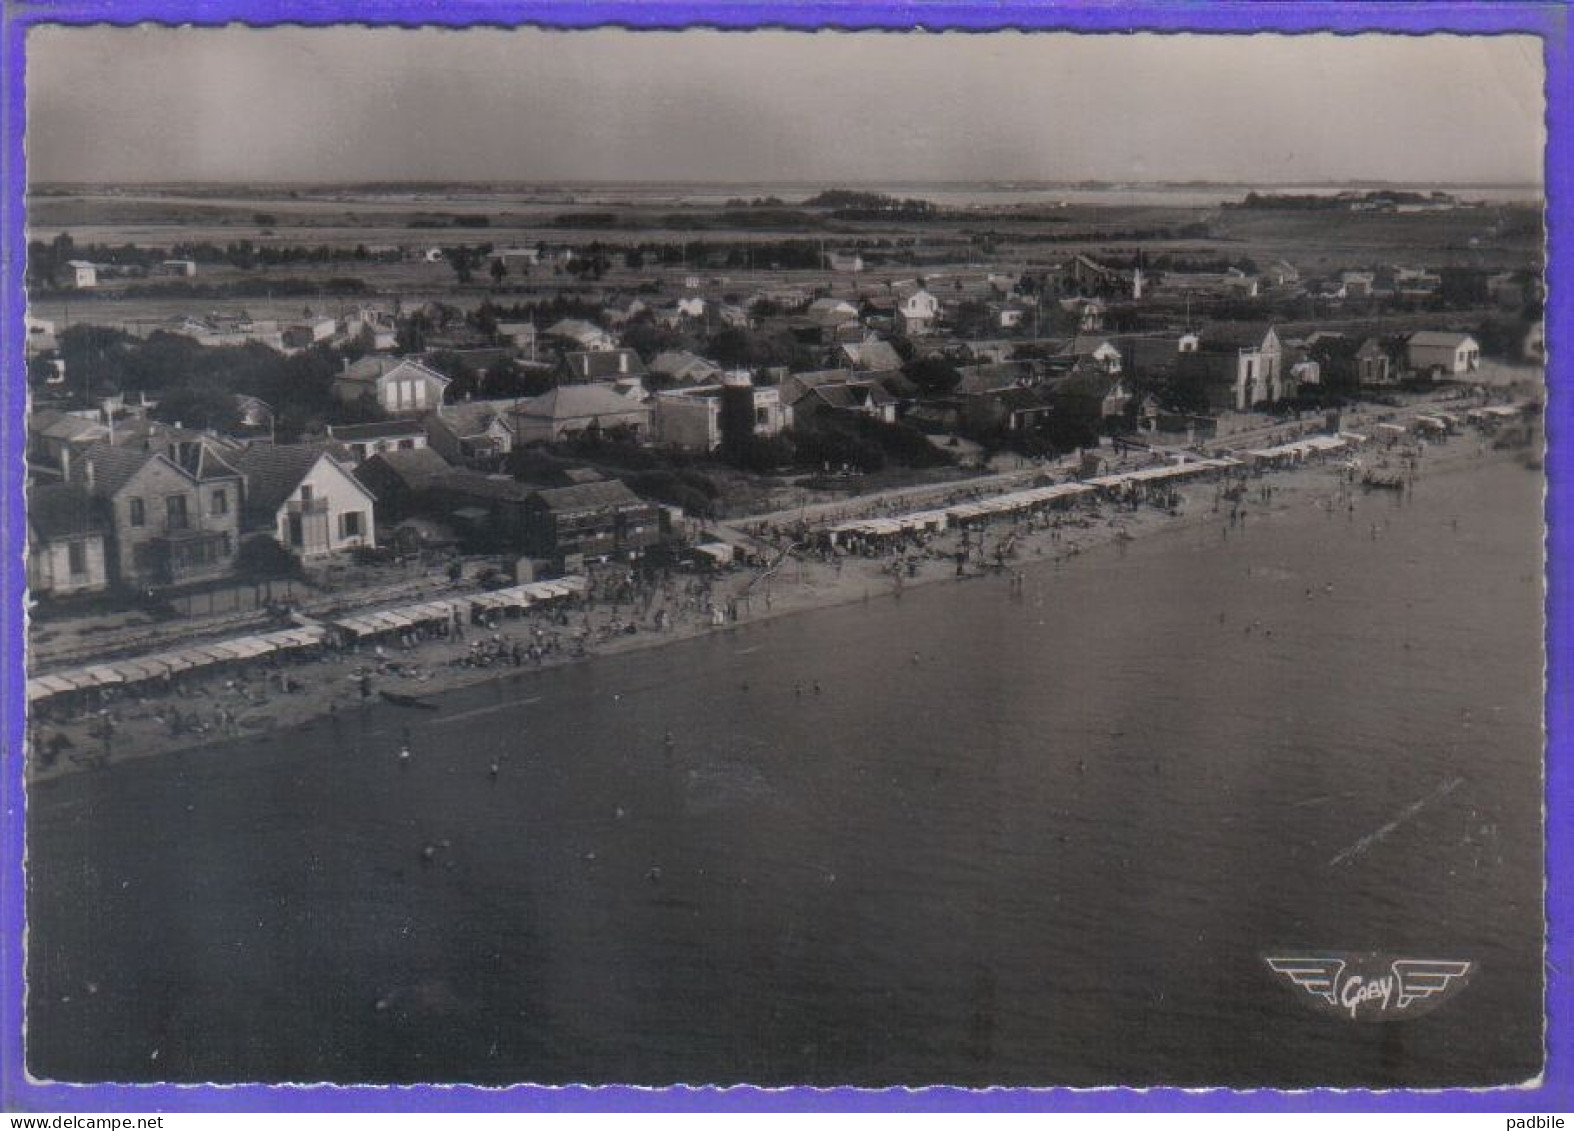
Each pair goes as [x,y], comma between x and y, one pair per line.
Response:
[1373,987]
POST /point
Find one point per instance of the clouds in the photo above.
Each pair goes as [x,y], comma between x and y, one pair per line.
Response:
[347,103]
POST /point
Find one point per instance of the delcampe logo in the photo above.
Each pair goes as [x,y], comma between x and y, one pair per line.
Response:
[1373,987]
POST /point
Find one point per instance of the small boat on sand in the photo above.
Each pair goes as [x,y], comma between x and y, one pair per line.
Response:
[1378,481]
[399,699]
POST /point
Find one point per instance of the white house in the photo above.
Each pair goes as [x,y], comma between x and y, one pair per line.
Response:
[520,335]
[400,386]
[83,274]
[586,335]
[40,337]
[690,419]
[306,499]
[1439,353]
[916,313]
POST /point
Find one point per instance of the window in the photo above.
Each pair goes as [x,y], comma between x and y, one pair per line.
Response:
[219,503]
[306,492]
[175,512]
[139,514]
[350,524]
[229,545]
[76,552]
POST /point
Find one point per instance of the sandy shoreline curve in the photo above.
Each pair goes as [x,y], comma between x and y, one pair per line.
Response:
[246,709]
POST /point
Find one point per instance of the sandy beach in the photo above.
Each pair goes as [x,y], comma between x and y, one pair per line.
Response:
[624,613]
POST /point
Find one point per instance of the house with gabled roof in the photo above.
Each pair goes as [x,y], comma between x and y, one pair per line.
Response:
[398,386]
[857,396]
[570,410]
[581,334]
[1442,353]
[1235,367]
[55,438]
[601,519]
[362,441]
[871,353]
[400,480]
[682,367]
[66,545]
[476,434]
[601,365]
[916,313]
[172,514]
[306,499]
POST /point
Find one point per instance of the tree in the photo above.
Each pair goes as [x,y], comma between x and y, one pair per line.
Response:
[499,270]
[197,407]
[935,376]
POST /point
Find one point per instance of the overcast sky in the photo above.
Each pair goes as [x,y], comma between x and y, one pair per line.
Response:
[347,104]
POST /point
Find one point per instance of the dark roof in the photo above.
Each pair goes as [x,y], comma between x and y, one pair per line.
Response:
[574,476]
[574,402]
[377,430]
[112,468]
[1085,381]
[852,394]
[589,496]
[471,418]
[59,425]
[897,383]
[60,510]
[414,467]
[274,471]
[993,377]
[479,485]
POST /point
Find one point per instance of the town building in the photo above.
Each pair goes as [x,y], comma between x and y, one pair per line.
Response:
[172,513]
[596,520]
[680,367]
[571,410]
[916,313]
[397,386]
[476,434]
[306,499]
[871,353]
[399,480]
[55,439]
[601,365]
[362,441]
[66,552]
[692,420]
[582,335]
[1442,354]
[1234,368]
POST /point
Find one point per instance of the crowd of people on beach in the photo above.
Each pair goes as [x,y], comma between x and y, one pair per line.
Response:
[623,601]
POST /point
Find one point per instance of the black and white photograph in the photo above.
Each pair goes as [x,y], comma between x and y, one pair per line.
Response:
[784,558]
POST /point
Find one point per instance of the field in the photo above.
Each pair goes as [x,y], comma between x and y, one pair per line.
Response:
[1003,236]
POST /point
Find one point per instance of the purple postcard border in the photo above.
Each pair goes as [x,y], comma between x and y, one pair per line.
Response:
[1548,20]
